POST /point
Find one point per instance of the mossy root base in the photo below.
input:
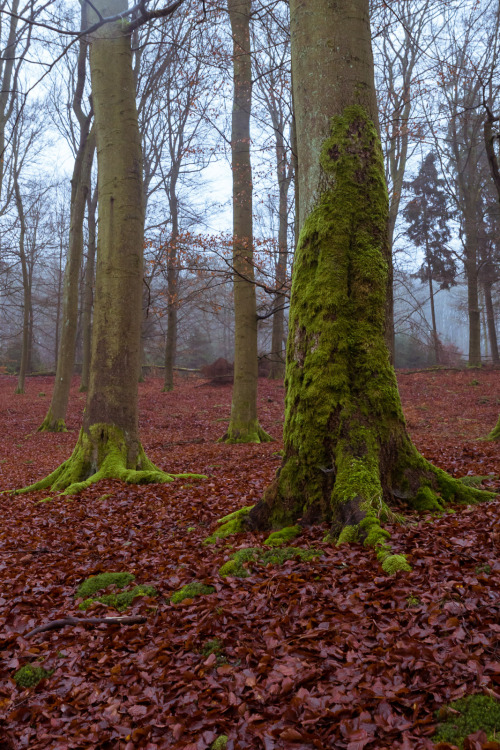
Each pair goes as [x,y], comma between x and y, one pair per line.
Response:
[102,452]
[50,424]
[495,433]
[252,433]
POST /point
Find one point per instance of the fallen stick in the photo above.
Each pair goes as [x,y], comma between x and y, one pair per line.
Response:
[134,620]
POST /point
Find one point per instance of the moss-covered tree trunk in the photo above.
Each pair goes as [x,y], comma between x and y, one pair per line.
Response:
[108,445]
[88,292]
[243,424]
[347,454]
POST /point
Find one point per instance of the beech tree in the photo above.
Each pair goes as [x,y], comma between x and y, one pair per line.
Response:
[347,454]
[243,424]
[80,186]
[108,444]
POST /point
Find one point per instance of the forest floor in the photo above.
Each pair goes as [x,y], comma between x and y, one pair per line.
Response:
[330,653]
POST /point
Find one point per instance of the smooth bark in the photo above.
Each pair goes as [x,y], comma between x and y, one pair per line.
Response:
[88,291]
[55,418]
[27,325]
[243,424]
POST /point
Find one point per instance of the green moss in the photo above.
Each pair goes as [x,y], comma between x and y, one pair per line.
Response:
[276,556]
[234,566]
[50,424]
[372,532]
[413,601]
[190,591]
[348,535]
[476,712]
[476,481]
[212,646]
[121,601]
[97,583]
[483,569]
[495,433]
[220,743]
[394,563]
[29,676]
[277,538]
[427,499]
[103,453]
[230,524]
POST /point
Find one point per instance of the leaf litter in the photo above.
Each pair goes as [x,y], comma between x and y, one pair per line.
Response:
[324,653]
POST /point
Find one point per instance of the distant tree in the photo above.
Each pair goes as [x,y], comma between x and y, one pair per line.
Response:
[243,424]
[428,216]
[54,420]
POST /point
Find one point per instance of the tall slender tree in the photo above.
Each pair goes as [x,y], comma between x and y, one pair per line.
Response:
[243,424]
[108,445]
[80,185]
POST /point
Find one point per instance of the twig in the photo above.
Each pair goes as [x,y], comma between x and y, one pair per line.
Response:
[134,620]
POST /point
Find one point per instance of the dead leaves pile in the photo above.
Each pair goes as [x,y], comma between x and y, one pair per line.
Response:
[325,654]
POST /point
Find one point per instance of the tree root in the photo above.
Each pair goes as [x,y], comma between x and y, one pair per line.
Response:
[495,433]
[50,424]
[245,434]
[102,453]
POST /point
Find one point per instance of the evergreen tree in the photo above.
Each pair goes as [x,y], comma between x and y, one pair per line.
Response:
[428,215]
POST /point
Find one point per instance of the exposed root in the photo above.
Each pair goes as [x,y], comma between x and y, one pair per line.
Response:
[359,507]
[103,453]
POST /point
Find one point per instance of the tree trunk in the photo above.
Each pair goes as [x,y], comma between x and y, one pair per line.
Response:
[108,445]
[435,338]
[172,284]
[347,454]
[277,370]
[490,321]
[56,415]
[25,348]
[88,293]
[243,423]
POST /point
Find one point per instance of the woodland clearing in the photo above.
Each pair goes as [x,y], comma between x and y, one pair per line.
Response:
[329,653]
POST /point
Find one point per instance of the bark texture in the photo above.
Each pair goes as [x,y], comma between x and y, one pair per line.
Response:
[243,424]
[347,453]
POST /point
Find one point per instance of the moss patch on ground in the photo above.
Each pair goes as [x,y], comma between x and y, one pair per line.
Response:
[230,524]
[475,712]
[118,600]
[190,591]
[277,538]
[29,676]
[235,565]
[220,743]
